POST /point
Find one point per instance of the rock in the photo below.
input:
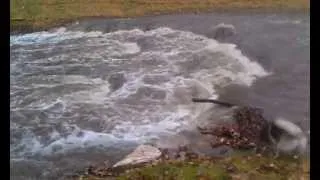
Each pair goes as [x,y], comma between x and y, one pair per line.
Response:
[272,165]
[116,81]
[231,168]
[222,31]
[142,154]
[172,153]
[182,156]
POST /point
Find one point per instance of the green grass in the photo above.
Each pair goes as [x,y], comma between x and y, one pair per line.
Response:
[239,166]
[37,14]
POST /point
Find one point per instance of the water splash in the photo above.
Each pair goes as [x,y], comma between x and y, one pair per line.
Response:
[63,77]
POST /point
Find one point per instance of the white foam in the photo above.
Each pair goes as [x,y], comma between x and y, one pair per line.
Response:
[131,48]
[97,95]
[28,145]
[50,37]
[73,141]
[77,138]
[78,79]
[193,66]
[251,70]
[151,130]
[285,21]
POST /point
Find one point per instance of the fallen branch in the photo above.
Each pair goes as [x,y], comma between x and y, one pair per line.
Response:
[199,100]
[226,104]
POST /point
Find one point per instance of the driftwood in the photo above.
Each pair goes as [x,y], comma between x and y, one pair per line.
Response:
[199,100]
[225,104]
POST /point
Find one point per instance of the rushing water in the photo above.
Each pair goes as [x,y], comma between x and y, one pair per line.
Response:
[80,95]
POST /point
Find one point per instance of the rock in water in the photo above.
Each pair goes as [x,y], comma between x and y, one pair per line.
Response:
[222,31]
[142,154]
[116,81]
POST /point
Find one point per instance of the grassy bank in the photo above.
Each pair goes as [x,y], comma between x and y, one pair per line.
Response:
[234,167]
[37,14]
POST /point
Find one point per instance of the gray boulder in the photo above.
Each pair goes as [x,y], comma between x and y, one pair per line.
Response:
[142,154]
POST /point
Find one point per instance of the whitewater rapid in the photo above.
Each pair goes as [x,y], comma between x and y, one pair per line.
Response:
[72,89]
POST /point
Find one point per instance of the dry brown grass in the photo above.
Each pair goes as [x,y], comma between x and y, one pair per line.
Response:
[41,13]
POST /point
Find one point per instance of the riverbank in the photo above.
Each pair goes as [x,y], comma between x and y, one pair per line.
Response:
[278,42]
[148,162]
[31,15]
[241,165]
